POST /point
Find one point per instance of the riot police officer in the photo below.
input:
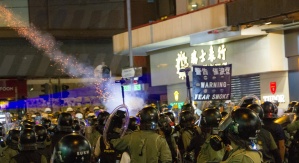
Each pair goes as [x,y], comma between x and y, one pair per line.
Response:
[190,139]
[28,149]
[166,130]
[292,128]
[43,141]
[64,127]
[11,148]
[210,119]
[274,128]
[72,148]
[242,132]
[102,119]
[265,139]
[145,145]
[109,153]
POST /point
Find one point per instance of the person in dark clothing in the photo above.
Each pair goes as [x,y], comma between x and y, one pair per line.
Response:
[265,139]
[64,127]
[190,139]
[10,149]
[28,149]
[43,141]
[274,128]
[166,130]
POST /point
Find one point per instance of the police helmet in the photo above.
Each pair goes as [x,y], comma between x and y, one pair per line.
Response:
[28,140]
[245,124]
[186,118]
[257,109]
[148,118]
[164,124]
[291,106]
[28,122]
[133,123]
[210,117]
[187,107]
[102,118]
[296,109]
[41,133]
[76,125]
[269,110]
[65,122]
[170,114]
[46,123]
[12,139]
[73,148]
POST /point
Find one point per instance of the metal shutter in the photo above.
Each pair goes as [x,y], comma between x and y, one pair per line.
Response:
[244,85]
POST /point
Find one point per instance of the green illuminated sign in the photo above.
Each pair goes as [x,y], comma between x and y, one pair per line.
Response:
[127,88]
[179,104]
[137,87]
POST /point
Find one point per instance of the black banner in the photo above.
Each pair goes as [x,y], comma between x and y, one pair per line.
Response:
[212,82]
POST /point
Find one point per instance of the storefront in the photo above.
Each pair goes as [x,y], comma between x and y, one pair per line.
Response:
[261,58]
[13,89]
[13,92]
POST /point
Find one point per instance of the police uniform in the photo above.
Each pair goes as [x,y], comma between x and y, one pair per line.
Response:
[108,154]
[144,146]
[267,144]
[45,149]
[7,153]
[192,140]
[93,137]
[293,126]
[207,153]
[241,155]
[294,145]
[29,156]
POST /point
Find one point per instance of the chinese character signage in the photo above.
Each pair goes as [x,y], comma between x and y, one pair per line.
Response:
[209,58]
[211,82]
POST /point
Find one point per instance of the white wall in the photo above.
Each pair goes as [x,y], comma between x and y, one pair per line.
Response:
[181,88]
[282,87]
[249,56]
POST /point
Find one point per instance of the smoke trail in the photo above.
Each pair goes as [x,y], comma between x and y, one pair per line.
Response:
[109,93]
[47,44]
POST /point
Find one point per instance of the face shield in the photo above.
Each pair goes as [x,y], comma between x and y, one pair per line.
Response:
[124,127]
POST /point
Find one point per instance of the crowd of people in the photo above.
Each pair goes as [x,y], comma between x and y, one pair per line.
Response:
[249,133]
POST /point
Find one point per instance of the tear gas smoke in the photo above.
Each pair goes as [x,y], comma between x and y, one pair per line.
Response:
[108,92]
[47,44]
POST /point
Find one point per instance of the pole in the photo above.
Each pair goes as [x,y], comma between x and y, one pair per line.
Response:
[129,32]
[122,81]
[50,93]
[186,70]
[130,37]
[60,92]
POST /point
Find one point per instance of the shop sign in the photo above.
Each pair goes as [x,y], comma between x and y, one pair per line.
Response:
[202,57]
[279,98]
[211,82]
[10,88]
[6,89]
[273,87]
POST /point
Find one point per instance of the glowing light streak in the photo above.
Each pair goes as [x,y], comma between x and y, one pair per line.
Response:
[47,44]
[108,92]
